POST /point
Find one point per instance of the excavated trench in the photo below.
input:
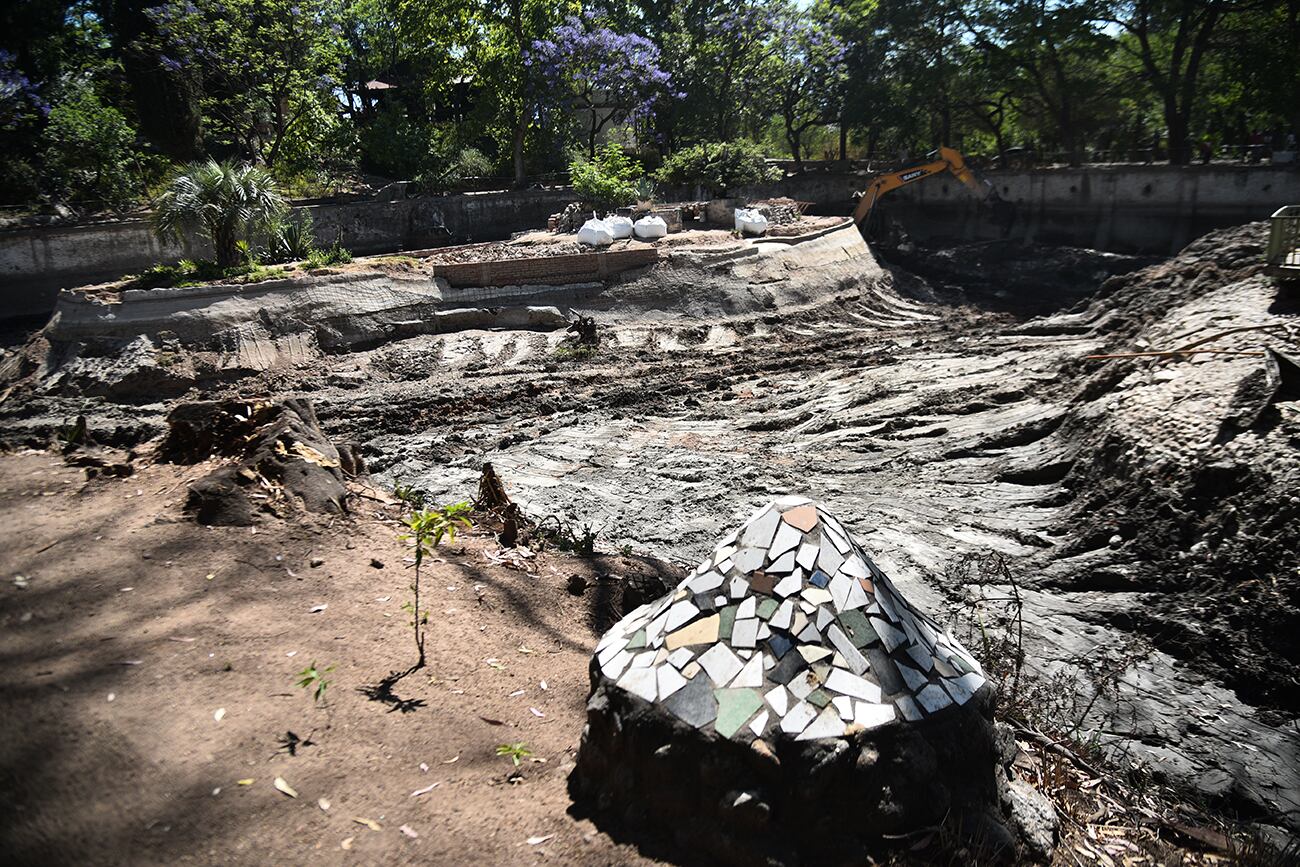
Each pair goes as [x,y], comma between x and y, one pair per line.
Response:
[1146,506]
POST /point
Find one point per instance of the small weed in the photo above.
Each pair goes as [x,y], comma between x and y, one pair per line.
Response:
[580,352]
[313,679]
[413,497]
[334,254]
[517,752]
[565,538]
[427,528]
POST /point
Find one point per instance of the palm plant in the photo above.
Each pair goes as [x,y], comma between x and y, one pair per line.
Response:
[224,201]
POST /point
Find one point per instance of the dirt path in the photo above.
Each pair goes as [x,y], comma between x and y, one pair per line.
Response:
[135,628]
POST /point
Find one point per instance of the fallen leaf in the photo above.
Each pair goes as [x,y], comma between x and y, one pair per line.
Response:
[347,843]
[535,841]
[543,686]
[112,695]
[127,589]
[426,790]
[424,767]
[185,640]
[524,648]
[317,609]
[536,712]
[408,831]
[323,804]
[131,662]
[245,782]
[219,714]
[210,576]
[369,823]
[285,787]
[516,693]
[21,582]
[490,721]
[452,760]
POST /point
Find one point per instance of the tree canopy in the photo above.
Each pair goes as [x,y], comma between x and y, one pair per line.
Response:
[101,100]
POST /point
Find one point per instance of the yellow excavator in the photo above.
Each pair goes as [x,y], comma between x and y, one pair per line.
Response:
[949,161]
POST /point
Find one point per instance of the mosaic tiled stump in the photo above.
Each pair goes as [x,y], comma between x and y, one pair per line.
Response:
[786,702]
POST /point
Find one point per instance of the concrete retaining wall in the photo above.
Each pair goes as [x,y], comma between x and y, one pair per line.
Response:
[36,262]
[1134,209]
[557,270]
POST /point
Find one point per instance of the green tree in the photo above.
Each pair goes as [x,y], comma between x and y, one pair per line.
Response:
[89,151]
[226,202]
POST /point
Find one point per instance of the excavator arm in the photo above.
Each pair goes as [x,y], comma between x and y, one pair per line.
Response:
[949,161]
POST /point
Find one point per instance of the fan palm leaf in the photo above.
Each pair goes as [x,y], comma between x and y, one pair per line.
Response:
[221,200]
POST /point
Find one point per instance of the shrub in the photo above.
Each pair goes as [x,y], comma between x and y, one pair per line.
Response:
[607,181]
[224,201]
[718,166]
[334,254]
[89,156]
[290,239]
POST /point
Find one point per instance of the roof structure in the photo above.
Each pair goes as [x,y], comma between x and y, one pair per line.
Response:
[788,630]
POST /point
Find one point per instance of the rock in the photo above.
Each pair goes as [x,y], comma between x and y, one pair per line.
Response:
[316,562]
[1032,814]
[376,563]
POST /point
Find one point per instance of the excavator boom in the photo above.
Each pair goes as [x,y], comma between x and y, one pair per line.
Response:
[949,161]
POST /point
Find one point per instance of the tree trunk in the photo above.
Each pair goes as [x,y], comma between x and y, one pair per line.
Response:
[1176,122]
[517,145]
[223,243]
[844,140]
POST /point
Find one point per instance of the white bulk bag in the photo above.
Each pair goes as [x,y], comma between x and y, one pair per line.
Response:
[649,228]
[595,233]
[621,227]
[750,222]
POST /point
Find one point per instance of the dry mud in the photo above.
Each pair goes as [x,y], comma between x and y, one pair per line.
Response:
[1147,506]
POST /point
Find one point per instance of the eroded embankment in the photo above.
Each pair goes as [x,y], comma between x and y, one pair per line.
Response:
[937,432]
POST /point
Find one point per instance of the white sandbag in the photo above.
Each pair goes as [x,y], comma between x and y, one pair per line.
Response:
[750,222]
[621,227]
[650,227]
[595,233]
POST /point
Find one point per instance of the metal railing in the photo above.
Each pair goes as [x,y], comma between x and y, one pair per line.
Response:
[1284,238]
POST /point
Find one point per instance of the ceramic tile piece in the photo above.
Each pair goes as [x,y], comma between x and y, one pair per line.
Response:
[751,674]
[889,634]
[857,662]
[870,716]
[769,662]
[782,565]
[810,634]
[858,628]
[720,664]
[787,669]
[819,578]
[783,615]
[669,681]
[744,654]
[823,618]
[680,657]
[704,602]
[726,566]
[812,652]
[738,588]
[885,597]
[789,501]
[867,586]
[798,718]
[857,597]
[837,660]
[807,607]
[637,641]
[883,670]
[643,660]
[744,633]
[839,588]
[827,725]
[702,631]
[921,656]
[787,539]
[615,666]
[719,601]
[728,621]
[761,582]
[789,584]
[694,702]
[800,621]
[764,631]
[819,698]
[829,559]
[779,644]
[767,608]
[759,723]
[816,595]
[760,531]
[749,559]
[778,698]
[641,682]
[681,614]
[802,518]
[807,555]
[907,707]
[915,680]
[661,655]
[691,670]
[933,698]
[748,608]
[848,684]
[706,582]
[802,685]
[611,650]
[854,567]
[844,705]
[734,707]
[944,668]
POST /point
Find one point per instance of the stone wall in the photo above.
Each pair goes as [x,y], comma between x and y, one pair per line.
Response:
[555,270]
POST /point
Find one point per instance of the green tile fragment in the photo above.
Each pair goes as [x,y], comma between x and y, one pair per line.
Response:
[767,608]
[735,706]
[637,641]
[728,620]
[858,628]
[819,698]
